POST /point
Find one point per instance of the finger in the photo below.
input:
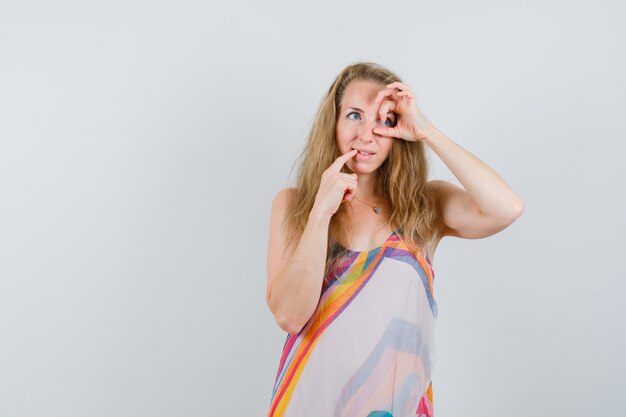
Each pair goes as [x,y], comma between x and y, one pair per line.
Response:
[349,192]
[404,90]
[399,86]
[341,160]
[407,94]
[385,108]
[351,178]
[387,131]
[387,92]
[347,196]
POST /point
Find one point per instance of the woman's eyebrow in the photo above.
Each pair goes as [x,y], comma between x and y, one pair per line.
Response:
[357,109]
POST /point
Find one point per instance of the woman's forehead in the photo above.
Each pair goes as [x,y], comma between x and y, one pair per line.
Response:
[360,94]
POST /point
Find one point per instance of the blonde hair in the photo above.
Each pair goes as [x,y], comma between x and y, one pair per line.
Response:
[401,181]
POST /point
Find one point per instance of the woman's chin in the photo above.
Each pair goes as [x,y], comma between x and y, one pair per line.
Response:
[361,168]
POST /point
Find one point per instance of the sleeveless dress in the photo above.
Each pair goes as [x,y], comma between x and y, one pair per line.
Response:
[368,349]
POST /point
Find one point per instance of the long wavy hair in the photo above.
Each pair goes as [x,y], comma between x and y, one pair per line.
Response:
[401,180]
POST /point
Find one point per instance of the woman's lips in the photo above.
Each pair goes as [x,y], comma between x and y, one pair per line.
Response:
[363,157]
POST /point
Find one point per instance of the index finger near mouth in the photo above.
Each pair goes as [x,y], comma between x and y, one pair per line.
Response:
[341,160]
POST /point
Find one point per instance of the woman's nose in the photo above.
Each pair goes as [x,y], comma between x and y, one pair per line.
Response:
[366,129]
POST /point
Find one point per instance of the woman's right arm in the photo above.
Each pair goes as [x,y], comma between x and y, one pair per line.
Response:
[295,275]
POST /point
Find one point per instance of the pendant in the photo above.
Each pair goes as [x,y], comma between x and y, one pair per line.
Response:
[376,209]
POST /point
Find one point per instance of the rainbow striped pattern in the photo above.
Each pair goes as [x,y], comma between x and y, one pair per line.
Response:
[368,349]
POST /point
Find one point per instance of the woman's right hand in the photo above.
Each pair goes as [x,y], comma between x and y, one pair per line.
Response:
[335,186]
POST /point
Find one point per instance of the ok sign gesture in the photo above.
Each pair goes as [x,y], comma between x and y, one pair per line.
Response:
[411,124]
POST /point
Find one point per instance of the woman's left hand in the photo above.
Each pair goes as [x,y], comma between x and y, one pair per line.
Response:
[411,124]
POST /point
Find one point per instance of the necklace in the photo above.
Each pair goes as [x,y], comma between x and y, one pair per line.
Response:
[376,208]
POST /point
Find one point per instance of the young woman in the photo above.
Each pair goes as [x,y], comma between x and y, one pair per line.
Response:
[351,248]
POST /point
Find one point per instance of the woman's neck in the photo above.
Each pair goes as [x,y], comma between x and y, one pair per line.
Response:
[366,188]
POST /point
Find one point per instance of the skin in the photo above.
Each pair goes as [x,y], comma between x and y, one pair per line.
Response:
[358,116]
[483,206]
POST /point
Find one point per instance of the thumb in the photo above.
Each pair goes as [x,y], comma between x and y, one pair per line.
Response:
[385,131]
[347,196]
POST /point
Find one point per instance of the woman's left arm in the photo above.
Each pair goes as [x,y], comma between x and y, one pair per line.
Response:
[486,205]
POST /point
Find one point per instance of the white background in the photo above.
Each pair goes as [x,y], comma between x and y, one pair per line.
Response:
[141,144]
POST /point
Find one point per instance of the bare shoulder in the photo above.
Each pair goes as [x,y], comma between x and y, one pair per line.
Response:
[277,250]
[279,212]
[442,192]
[437,188]
[283,198]
[280,206]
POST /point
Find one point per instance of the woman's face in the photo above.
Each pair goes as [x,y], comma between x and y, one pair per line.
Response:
[358,116]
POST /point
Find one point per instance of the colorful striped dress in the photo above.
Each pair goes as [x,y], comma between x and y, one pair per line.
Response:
[368,349]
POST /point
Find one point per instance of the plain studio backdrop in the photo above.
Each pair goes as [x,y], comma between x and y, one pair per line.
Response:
[143,142]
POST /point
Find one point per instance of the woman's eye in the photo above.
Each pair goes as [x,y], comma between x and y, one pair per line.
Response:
[356,114]
[390,122]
